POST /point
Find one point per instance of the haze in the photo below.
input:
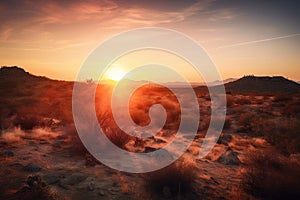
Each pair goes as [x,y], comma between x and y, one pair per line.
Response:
[53,38]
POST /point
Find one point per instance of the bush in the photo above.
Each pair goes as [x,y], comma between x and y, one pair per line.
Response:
[282,132]
[282,98]
[36,189]
[71,141]
[271,176]
[292,109]
[27,122]
[118,137]
[176,178]
[246,121]
[230,100]
[244,100]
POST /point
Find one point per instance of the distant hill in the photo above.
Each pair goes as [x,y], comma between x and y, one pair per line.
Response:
[14,70]
[15,73]
[264,84]
[15,79]
[28,98]
[215,83]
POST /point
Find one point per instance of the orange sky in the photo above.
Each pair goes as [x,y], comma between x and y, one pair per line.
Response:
[53,38]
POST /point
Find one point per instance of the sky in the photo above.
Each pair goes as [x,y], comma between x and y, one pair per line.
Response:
[53,38]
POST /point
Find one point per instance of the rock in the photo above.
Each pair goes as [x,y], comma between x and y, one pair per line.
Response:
[43,142]
[161,155]
[114,191]
[8,153]
[57,144]
[167,192]
[50,179]
[101,193]
[31,167]
[18,166]
[62,137]
[159,141]
[25,157]
[73,179]
[91,187]
[229,158]
[214,180]
[33,181]
[224,139]
[24,189]
[146,135]
[149,149]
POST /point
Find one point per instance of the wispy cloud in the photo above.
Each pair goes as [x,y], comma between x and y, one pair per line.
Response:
[258,41]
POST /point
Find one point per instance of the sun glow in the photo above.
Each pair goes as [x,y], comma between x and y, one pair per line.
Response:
[114,74]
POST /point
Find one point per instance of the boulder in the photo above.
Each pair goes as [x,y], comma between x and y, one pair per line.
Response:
[8,153]
[224,139]
[50,178]
[31,167]
[34,181]
[91,187]
[73,179]
[229,158]
[101,193]
[149,149]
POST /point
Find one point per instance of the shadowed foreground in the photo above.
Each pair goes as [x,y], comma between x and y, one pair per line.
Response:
[256,157]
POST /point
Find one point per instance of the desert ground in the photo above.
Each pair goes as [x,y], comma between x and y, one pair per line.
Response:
[256,157]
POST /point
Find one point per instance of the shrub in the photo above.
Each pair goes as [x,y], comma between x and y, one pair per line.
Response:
[282,98]
[271,176]
[118,137]
[244,100]
[230,100]
[177,178]
[71,137]
[27,122]
[282,132]
[36,189]
[292,109]
[246,121]
[215,123]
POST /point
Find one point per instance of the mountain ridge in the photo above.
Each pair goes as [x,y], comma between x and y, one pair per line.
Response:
[263,84]
[245,84]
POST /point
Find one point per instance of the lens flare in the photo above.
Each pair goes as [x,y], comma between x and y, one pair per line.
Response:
[114,74]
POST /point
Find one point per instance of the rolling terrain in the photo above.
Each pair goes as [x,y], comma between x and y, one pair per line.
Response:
[42,157]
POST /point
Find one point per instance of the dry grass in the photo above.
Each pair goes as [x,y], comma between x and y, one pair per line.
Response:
[243,100]
[17,135]
[139,105]
[271,176]
[36,189]
[292,108]
[26,102]
[283,98]
[14,135]
[282,132]
[230,100]
[233,100]
[177,178]
[118,137]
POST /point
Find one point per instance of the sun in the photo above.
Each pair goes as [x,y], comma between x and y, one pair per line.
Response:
[115,74]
